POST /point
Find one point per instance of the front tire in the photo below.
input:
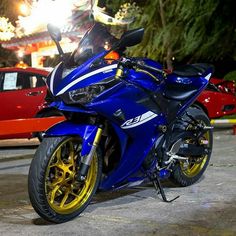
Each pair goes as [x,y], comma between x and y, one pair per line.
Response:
[54,191]
[186,173]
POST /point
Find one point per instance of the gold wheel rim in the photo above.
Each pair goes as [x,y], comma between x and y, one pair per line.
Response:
[64,193]
[191,169]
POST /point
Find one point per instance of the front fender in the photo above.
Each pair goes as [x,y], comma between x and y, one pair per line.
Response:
[68,128]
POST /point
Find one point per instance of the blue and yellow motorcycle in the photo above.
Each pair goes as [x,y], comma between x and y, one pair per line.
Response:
[127,122]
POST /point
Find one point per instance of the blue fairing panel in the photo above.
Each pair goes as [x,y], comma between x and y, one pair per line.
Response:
[67,128]
[63,107]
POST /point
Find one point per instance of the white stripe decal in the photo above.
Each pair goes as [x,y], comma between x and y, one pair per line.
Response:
[208,76]
[104,69]
[52,78]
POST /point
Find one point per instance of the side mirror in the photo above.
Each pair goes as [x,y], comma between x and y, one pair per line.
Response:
[54,32]
[131,38]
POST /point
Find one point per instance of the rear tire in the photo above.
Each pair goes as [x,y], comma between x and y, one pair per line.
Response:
[185,174]
[54,191]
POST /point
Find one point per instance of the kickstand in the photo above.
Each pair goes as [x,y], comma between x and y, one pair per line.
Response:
[160,190]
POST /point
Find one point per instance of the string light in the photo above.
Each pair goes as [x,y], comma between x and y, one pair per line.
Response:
[24,9]
[43,12]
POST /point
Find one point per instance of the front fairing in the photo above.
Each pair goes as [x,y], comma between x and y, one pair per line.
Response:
[81,75]
[87,58]
[63,79]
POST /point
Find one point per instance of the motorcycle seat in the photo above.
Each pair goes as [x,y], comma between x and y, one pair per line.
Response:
[191,70]
[179,93]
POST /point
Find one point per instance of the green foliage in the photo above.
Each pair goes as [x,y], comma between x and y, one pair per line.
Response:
[228,117]
[9,10]
[113,6]
[184,29]
[209,29]
[231,76]
[127,11]
[187,30]
[6,29]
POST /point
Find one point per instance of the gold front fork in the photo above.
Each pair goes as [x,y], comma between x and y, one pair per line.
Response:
[86,160]
[119,72]
[97,137]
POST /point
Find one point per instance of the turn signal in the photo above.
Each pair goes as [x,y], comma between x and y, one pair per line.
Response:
[112,56]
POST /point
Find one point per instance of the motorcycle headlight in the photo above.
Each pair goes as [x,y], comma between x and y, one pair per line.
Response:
[87,94]
[67,71]
[82,96]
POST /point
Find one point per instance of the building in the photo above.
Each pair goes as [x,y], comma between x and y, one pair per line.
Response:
[38,43]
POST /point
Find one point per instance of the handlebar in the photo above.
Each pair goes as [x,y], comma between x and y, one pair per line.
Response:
[132,63]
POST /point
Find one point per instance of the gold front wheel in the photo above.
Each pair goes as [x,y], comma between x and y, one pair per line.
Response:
[57,195]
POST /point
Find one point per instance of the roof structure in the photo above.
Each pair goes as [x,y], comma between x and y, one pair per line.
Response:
[32,42]
[78,25]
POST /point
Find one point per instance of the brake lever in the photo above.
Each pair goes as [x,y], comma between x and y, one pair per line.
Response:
[141,64]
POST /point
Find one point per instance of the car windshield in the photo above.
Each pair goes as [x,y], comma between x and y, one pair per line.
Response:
[95,40]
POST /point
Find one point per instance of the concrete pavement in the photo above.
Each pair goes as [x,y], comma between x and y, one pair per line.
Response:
[205,208]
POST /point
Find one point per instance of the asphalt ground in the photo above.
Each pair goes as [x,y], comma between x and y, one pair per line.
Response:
[205,208]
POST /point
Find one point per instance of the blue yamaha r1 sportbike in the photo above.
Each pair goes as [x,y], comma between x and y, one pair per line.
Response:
[127,121]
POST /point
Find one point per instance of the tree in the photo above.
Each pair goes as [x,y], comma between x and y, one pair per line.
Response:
[112,6]
[174,29]
[8,10]
[6,29]
[209,29]
[186,30]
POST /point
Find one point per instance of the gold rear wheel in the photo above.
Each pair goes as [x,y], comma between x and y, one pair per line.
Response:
[187,172]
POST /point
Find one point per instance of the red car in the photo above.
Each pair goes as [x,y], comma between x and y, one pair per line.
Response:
[219,98]
[22,95]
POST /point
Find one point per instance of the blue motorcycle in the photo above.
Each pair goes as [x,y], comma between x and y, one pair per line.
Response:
[127,122]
